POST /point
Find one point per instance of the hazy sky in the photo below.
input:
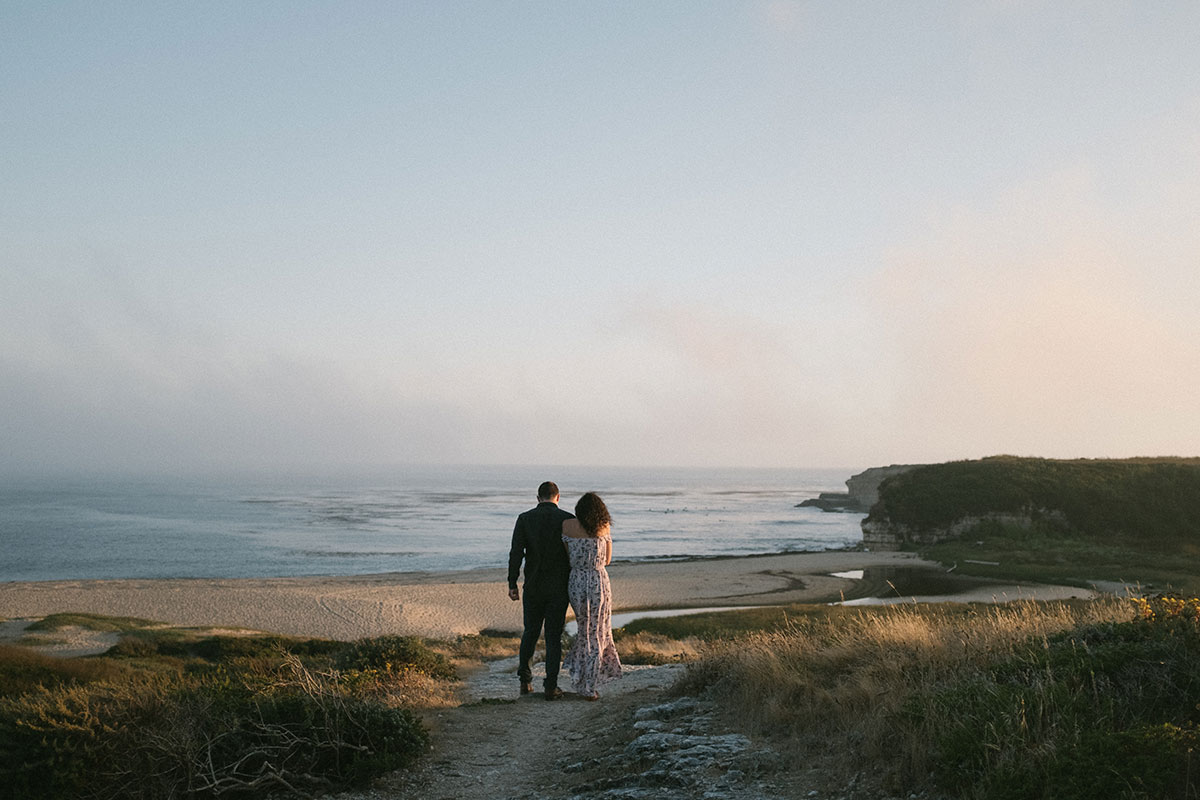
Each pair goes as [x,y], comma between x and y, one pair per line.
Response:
[646,233]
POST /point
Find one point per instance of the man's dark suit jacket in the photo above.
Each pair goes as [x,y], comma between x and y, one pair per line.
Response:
[537,538]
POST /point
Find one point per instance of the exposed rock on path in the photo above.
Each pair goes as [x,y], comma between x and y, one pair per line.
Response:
[629,744]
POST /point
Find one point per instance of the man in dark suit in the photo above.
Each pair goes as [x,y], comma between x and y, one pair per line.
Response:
[537,539]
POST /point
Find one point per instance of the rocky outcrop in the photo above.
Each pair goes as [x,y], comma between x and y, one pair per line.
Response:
[864,487]
[676,755]
[831,501]
[862,490]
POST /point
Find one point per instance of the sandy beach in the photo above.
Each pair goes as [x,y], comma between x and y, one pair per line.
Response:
[448,603]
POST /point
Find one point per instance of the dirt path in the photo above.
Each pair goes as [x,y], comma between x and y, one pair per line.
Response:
[636,743]
[499,745]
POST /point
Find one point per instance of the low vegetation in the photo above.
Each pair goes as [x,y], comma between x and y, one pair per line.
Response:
[653,648]
[1050,554]
[487,645]
[1065,700]
[1060,700]
[1104,710]
[91,622]
[171,713]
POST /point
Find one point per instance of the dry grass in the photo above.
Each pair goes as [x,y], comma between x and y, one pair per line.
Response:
[484,646]
[408,689]
[655,648]
[34,641]
[246,727]
[23,669]
[841,683]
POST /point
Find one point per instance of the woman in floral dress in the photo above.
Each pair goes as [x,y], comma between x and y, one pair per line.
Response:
[592,660]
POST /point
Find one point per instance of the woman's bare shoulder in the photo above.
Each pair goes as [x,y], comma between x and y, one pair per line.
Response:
[571,528]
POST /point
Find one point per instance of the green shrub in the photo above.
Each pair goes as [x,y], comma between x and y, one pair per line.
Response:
[170,713]
[59,743]
[346,740]
[24,670]
[221,649]
[207,736]
[315,648]
[187,644]
[134,647]
[395,655]
[170,642]
[1106,710]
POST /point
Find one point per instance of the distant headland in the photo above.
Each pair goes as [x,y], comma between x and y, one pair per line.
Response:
[1106,523]
[1155,501]
[862,490]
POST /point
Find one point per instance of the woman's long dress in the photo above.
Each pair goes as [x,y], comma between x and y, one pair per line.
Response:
[592,660]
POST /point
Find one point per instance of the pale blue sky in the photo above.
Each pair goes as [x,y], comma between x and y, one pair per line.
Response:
[759,233]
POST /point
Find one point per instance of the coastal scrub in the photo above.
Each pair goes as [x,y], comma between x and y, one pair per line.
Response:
[1107,709]
[1023,700]
[1080,522]
[167,714]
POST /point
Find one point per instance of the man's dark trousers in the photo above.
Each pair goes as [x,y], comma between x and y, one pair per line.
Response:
[537,540]
[550,610]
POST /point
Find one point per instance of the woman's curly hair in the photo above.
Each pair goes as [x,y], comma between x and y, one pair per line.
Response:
[592,513]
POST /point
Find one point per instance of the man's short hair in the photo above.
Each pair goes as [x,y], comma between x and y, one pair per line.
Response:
[548,491]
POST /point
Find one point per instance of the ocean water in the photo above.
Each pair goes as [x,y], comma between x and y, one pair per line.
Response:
[396,520]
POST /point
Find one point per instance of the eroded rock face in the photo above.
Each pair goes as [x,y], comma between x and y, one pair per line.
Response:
[883,534]
[831,501]
[863,488]
[862,491]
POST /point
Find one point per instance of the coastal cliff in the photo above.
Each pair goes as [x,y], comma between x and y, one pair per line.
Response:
[882,534]
[863,488]
[1152,501]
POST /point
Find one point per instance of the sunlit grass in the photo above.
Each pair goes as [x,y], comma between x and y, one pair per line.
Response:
[653,648]
[984,697]
[91,622]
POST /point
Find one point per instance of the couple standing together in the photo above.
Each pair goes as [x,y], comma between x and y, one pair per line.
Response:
[565,557]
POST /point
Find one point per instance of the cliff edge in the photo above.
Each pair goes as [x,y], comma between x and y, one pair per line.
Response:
[862,490]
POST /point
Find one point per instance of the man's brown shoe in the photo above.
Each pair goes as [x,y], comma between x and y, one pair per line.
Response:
[526,688]
[553,694]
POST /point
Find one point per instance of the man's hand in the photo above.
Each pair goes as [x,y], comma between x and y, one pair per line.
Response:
[514,593]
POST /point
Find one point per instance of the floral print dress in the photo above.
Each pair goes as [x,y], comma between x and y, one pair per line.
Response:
[592,660]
